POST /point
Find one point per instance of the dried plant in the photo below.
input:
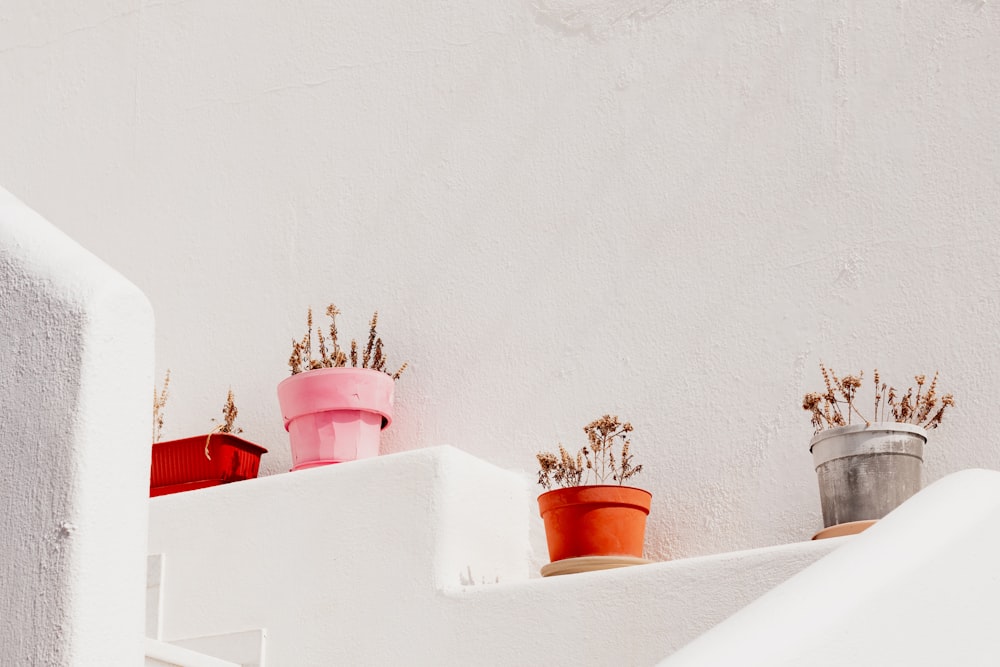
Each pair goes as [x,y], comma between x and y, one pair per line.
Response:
[596,458]
[229,412]
[228,423]
[334,356]
[159,403]
[835,406]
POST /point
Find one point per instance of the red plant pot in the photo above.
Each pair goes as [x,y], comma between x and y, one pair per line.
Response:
[181,465]
[600,520]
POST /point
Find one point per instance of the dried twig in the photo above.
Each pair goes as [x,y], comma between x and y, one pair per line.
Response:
[159,403]
[597,457]
[922,408]
[333,356]
[228,424]
[229,413]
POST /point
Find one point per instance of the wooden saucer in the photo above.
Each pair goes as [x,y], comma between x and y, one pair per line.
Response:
[849,528]
[590,564]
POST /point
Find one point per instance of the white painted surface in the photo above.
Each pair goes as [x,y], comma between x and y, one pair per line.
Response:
[670,211]
[246,648]
[328,559]
[629,616]
[162,654]
[422,558]
[76,346]
[154,595]
[914,589]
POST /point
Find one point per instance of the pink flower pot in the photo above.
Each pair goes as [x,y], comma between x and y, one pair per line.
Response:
[334,415]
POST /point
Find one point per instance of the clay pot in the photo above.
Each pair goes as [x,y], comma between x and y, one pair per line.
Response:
[181,465]
[334,415]
[602,520]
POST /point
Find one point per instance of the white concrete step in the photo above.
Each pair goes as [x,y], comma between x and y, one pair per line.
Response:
[244,649]
[163,654]
[423,558]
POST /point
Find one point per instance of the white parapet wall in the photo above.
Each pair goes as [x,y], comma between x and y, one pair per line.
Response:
[919,588]
[338,563]
[423,558]
[629,616]
[76,359]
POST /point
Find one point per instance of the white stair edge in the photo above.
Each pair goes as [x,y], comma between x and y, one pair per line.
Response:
[245,649]
[176,656]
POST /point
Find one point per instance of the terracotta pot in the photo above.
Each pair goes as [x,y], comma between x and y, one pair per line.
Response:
[334,415]
[601,520]
[181,465]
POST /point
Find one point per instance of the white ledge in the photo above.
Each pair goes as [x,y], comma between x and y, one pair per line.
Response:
[162,654]
[333,560]
[665,604]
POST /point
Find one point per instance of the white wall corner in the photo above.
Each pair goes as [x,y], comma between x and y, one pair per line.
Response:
[154,595]
[481,534]
[76,349]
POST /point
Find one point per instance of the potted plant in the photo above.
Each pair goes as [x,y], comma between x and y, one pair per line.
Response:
[200,461]
[868,467]
[334,412]
[593,514]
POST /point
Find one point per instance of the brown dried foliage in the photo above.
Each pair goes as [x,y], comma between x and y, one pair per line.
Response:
[835,406]
[332,355]
[228,424]
[159,403]
[596,458]
[229,412]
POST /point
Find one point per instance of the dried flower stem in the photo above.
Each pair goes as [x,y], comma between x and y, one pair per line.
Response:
[159,403]
[922,409]
[598,456]
[228,424]
[333,356]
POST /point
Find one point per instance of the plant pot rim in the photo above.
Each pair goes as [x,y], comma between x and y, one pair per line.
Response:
[240,442]
[334,389]
[339,370]
[882,440]
[549,499]
[594,486]
[892,427]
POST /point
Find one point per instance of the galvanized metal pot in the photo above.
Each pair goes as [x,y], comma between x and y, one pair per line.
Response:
[865,472]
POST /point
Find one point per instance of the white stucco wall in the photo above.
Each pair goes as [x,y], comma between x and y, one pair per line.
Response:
[76,351]
[668,210]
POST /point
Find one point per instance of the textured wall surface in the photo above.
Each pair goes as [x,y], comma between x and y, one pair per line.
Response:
[666,210]
[76,347]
